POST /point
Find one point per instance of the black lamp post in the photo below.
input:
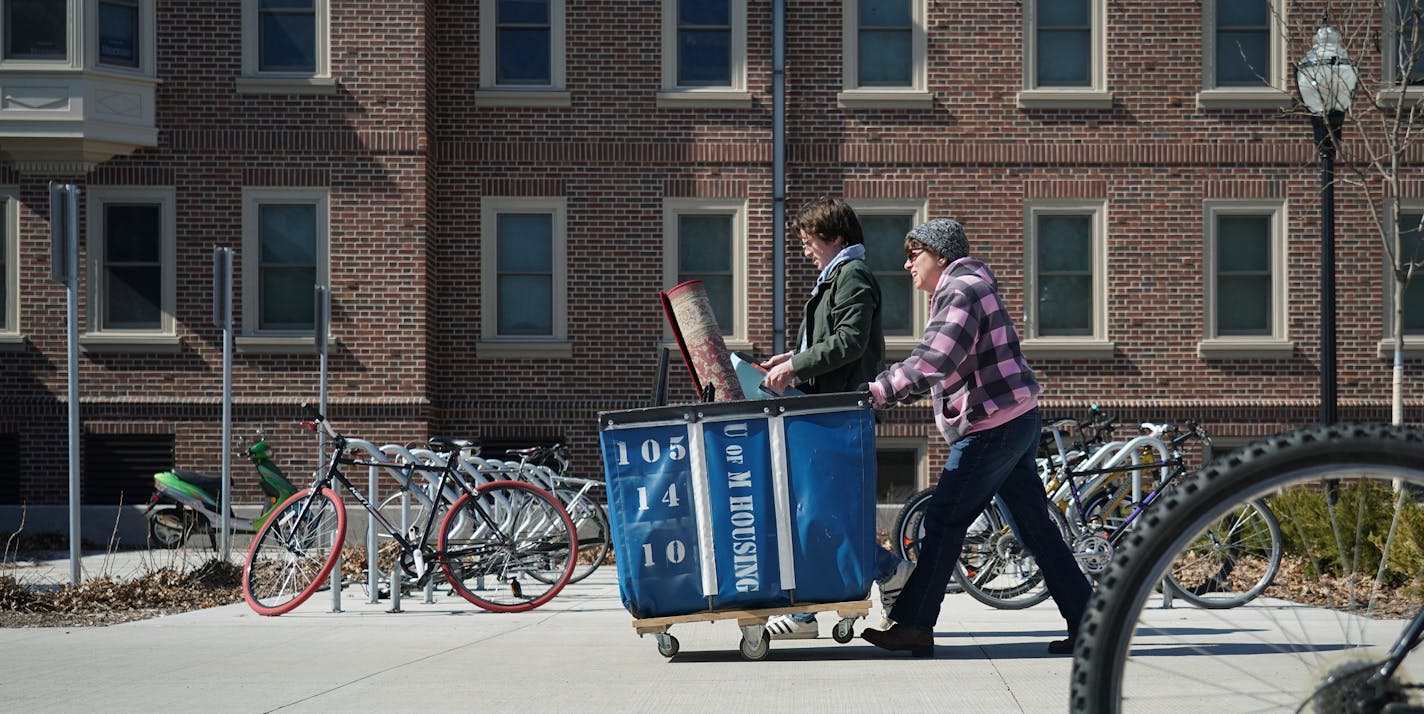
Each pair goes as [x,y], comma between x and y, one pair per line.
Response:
[1327,79]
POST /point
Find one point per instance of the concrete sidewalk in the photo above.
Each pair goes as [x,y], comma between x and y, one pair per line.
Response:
[579,653]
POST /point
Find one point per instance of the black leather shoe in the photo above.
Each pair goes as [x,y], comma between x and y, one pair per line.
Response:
[900,638]
[1062,647]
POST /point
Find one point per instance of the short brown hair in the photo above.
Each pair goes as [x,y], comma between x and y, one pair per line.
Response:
[829,217]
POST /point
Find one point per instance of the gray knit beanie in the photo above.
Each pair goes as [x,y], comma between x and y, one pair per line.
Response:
[944,236]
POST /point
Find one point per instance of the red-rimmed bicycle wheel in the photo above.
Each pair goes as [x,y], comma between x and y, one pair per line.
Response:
[294,552]
[509,547]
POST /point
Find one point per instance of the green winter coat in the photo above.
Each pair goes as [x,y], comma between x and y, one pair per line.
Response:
[847,344]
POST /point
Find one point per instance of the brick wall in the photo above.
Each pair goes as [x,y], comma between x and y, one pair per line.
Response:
[407,156]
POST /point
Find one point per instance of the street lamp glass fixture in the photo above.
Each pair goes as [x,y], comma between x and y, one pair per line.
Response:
[1326,76]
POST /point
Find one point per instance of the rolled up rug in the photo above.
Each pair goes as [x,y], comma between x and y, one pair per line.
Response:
[689,312]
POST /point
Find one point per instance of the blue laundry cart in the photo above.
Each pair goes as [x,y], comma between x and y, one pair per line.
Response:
[744,510]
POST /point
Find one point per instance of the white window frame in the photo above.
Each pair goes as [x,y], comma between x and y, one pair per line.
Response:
[251,338]
[1275,95]
[553,94]
[1277,345]
[318,81]
[96,338]
[10,335]
[1095,345]
[1093,96]
[1413,344]
[73,39]
[739,339]
[492,344]
[736,96]
[853,96]
[1391,94]
[919,302]
[147,37]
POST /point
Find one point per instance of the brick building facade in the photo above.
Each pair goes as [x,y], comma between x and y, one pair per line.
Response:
[603,147]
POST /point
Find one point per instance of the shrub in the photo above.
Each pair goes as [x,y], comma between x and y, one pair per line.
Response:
[1359,529]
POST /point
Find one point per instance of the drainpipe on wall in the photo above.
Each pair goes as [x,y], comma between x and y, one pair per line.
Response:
[778,177]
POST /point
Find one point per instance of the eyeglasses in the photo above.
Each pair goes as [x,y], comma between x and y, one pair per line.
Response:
[912,253]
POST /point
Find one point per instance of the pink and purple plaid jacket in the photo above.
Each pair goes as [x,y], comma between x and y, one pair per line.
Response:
[968,360]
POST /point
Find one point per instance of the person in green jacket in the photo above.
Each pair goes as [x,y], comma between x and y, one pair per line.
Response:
[840,348]
[841,345]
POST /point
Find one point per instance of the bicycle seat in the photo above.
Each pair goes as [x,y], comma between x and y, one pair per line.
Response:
[445,443]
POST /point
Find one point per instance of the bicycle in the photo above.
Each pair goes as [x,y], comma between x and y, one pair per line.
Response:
[576,494]
[1230,568]
[505,530]
[1341,636]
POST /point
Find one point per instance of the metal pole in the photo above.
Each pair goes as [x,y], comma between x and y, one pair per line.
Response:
[320,309]
[373,570]
[778,177]
[1327,131]
[67,208]
[224,286]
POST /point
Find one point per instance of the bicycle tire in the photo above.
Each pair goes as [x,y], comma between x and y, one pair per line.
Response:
[294,552]
[995,568]
[1311,649]
[1233,562]
[909,530]
[592,530]
[513,530]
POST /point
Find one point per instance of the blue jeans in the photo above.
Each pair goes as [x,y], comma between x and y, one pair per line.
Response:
[1000,460]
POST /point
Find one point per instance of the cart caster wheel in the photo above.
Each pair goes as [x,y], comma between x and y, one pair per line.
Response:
[758,650]
[844,631]
[668,645]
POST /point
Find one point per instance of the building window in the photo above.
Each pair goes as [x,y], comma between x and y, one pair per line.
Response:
[899,469]
[284,257]
[1065,55]
[1066,276]
[1244,55]
[36,29]
[903,310]
[522,53]
[704,53]
[1064,252]
[884,47]
[1411,250]
[1241,42]
[120,33]
[1063,43]
[704,43]
[9,265]
[286,36]
[1245,280]
[524,277]
[706,240]
[885,32]
[132,267]
[286,47]
[1403,43]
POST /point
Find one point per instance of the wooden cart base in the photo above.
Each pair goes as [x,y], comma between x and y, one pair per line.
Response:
[756,641]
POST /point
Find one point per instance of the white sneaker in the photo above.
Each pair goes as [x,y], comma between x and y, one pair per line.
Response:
[787,627]
[890,587]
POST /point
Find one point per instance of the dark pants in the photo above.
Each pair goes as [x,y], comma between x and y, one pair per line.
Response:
[1000,460]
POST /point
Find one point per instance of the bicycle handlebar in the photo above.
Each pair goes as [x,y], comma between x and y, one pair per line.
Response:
[317,418]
